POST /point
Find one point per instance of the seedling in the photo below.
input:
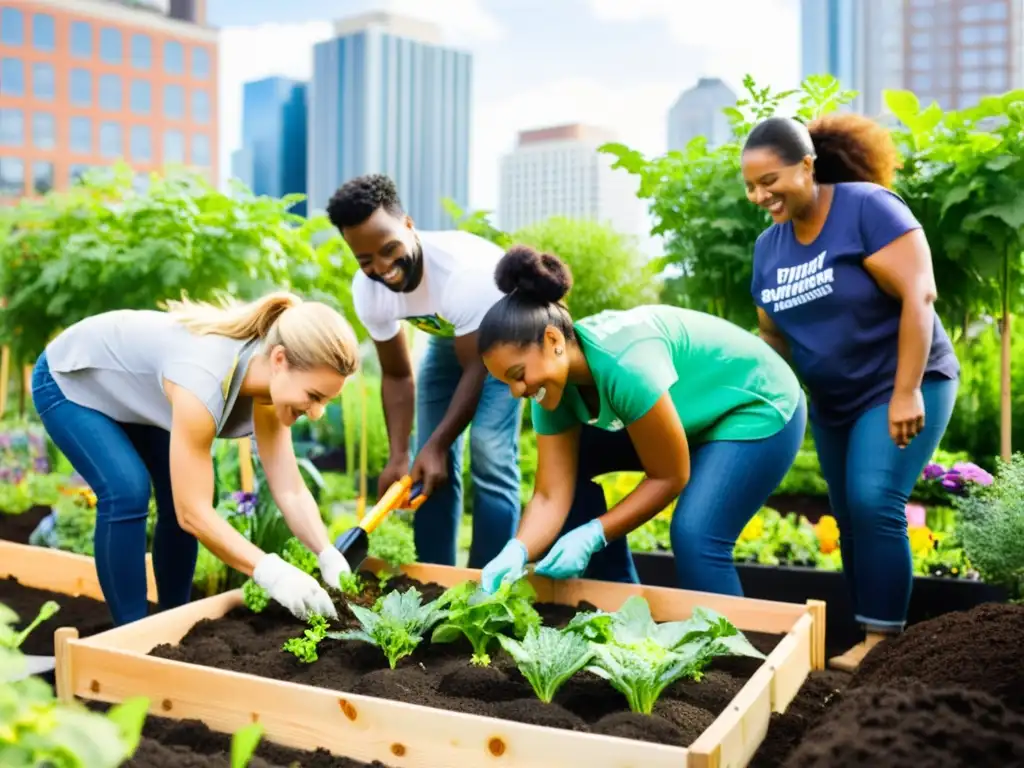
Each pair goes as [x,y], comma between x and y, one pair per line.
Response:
[13,640]
[305,648]
[243,744]
[481,617]
[255,597]
[350,584]
[396,624]
[295,553]
[547,657]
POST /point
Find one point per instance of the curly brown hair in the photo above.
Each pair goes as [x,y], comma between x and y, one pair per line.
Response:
[851,147]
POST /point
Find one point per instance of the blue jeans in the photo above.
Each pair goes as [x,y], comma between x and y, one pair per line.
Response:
[493,463]
[869,483]
[730,480]
[120,462]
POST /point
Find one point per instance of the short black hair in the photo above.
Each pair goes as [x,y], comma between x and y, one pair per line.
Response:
[534,285]
[359,198]
[786,137]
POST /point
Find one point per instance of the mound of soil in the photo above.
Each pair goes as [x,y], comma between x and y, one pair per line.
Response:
[441,676]
[18,528]
[818,694]
[908,723]
[190,744]
[978,649]
[88,615]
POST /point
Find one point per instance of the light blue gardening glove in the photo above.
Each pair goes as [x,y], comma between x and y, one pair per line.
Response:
[569,556]
[509,565]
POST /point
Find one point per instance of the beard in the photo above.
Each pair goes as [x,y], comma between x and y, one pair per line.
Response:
[411,268]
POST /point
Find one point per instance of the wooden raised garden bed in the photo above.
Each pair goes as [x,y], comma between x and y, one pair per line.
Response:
[118,664]
[29,576]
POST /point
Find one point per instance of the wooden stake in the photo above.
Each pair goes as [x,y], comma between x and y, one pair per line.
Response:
[245,464]
[363,448]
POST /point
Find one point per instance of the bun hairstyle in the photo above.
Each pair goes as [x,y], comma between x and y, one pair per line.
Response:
[535,285]
[845,146]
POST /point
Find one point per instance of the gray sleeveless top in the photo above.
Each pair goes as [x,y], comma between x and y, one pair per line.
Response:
[116,363]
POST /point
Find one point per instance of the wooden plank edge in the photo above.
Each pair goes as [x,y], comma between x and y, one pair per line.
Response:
[790,663]
[62,639]
[735,735]
[356,726]
[817,611]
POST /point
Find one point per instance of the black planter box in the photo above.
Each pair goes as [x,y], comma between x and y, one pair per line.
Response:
[932,596]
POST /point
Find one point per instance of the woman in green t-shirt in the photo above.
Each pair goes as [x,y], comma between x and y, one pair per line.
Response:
[707,411]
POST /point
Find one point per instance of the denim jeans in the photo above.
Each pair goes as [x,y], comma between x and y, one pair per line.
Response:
[730,480]
[121,462]
[493,463]
[869,483]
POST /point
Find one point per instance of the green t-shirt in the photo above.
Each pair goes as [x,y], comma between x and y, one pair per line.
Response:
[725,382]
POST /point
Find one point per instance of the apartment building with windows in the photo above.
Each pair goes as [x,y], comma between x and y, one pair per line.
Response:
[86,83]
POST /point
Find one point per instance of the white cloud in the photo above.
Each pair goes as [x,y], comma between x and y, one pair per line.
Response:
[461,21]
[635,115]
[736,36]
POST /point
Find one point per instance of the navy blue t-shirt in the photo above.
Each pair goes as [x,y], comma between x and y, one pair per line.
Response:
[842,328]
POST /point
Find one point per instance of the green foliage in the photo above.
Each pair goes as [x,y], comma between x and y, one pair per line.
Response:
[296,553]
[12,641]
[244,742]
[480,617]
[396,625]
[992,527]
[548,657]
[255,597]
[350,584]
[102,245]
[305,648]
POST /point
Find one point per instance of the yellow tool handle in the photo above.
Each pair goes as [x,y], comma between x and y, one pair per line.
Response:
[392,499]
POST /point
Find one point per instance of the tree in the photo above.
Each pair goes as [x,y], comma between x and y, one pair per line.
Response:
[102,245]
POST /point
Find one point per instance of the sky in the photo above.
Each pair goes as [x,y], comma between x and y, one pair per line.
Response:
[619,64]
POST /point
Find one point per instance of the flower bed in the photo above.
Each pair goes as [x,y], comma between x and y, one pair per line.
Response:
[949,691]
[436,708]
[30,576]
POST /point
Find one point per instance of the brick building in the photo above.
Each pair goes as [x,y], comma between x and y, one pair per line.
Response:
[85,83]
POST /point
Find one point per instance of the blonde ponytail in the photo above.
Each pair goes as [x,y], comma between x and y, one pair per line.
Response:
[312,334]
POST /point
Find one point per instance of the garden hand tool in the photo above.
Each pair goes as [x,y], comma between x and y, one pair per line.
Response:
[354,543]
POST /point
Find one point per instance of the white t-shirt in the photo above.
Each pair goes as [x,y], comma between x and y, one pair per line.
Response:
[455,293]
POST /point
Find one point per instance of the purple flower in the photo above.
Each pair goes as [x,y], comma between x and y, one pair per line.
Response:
[972,473]
[934,471]
[246,503]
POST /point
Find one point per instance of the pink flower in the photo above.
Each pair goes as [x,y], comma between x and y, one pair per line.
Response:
[916,515]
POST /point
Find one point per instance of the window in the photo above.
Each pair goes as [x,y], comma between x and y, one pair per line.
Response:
[81,88]
[110,140]
[174,101]
[43,34]
[44,130]
[970,57]
[142,143]
[142,51]
[201,150]
[42,178]
[12,27]
[12,177]
[995,35]
[12,127]
[971,79]
[970,35]
[995,57]
[110,93]
[174,147]
[921,62]
[995,11]
[81,40]
[174,58]
[972,13]
[995,80]
[141,97]
[921,82]
[111,45]
[921,40]
[77,171]
[81,135]
[201,107]
[12,77]
[200,63]
[44,85]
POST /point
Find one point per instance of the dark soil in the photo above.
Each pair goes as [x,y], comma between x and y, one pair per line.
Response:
[909,724]
[190,744]
[811,507]
[981,649]
[87,615]
[441,676]
[18,528]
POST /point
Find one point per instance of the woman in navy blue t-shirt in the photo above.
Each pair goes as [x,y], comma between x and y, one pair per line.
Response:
[844,289]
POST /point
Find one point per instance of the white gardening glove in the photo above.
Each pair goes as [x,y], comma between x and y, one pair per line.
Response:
[295,590]
[332,565]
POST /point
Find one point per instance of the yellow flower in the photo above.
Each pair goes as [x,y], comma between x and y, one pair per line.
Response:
[753,530]
[922,540]
[827,531]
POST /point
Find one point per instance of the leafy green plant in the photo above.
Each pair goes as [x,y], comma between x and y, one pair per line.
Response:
[38,730]
[244,742]
[305,648]
[640,658]
[481,617]
[548,657]
[14,498]
[13,640]
[296,553]
[396,624]
[255,597]
[393,541]
[351,584]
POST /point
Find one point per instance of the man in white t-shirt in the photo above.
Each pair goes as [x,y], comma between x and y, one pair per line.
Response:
[442,283]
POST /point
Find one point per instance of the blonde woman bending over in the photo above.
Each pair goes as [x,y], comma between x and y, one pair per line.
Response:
[135,398]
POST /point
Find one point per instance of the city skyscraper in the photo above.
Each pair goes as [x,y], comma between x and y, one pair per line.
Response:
[558,171]
[698,112]
[953,52]
[85,83]
[272,159]
[388,97]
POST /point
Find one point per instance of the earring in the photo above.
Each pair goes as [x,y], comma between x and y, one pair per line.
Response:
[558,351]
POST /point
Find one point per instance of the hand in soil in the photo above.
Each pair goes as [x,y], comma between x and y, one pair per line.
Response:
[298,592]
